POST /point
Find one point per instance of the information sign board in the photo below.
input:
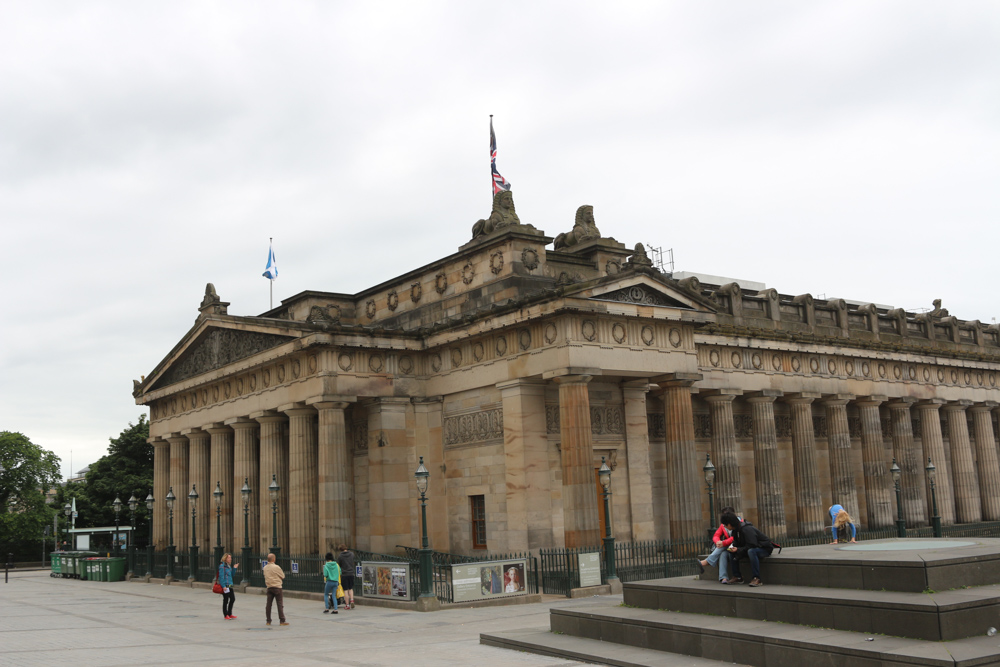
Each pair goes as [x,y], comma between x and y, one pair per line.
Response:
[590,569]
[489,579]
[295,567]
[385,580]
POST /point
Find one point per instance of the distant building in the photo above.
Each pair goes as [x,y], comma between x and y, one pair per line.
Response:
[81,476]
[513,368]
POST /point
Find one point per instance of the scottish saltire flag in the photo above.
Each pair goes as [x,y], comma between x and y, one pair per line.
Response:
[271,272]
[500,184]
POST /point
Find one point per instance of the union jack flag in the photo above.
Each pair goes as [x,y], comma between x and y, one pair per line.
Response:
[500,184]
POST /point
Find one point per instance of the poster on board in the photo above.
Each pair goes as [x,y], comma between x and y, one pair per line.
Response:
[385,580]
[495,579]
[590,569]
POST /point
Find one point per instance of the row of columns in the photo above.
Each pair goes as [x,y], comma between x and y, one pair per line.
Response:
[311,464]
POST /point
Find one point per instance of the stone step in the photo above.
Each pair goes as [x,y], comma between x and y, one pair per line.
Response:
[905,565]
[759,643]
[595,651]
[940,616]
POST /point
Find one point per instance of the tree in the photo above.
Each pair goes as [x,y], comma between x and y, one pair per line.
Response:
[28,472]
[126,469]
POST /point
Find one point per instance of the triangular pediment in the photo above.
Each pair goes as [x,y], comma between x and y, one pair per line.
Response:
[643,295]
[644,291]
[215,348]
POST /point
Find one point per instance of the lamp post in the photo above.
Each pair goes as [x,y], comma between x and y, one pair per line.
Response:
[935,518]
[150,502]
[273,490]
[426,571]
[171,498]
[900,521]
[193,563]
[117,504]
[133,505]
[67,510]
[245,494]
[709,471]
[604,474]
[218,494]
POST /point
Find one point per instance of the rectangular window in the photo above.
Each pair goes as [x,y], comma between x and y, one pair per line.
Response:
[478,521]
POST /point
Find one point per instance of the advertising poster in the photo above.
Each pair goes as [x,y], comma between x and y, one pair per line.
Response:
[478,581]
[590,569]
[385,580]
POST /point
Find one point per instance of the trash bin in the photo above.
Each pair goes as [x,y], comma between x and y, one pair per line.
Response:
[88,569]
[68,565]
[54,560]
[114,569]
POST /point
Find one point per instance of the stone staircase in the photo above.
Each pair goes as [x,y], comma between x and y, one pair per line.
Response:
[895,602]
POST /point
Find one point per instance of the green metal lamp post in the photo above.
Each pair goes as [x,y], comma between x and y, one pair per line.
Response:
[709,471]
[193,563]
[117,504]
[274,490]
[171,549]
[67,510]
[245,494]
[426,571]
[935,518]
[150,546]
[900,521]
[604,474]
[218,494]
[133,505]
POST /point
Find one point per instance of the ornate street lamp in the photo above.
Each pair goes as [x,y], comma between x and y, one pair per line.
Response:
[67,510]
[150,502]
[193,563]
[117,504]
[171,498]
[133,505]
[218,494]
[274,490]
[709,471]
[900,521]
[604,475]
[935,518]
[423,478]
[245,495]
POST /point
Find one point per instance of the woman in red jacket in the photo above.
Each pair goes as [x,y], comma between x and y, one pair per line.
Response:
[722,539]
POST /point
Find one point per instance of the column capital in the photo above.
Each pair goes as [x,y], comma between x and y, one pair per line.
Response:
[985,406]
[331,398]
[901,402]
[955,406]
[216,427]
[677,379]
[176,438]
[572,379]
[529,385]
[193,431]
[801,397]
[837,399]
[241,423]
[931,404]
[716,399]
[716,393]
[330,405]
[874,399]
[634,387]
[571,370]
[157,441]
[763,396]
[266,416]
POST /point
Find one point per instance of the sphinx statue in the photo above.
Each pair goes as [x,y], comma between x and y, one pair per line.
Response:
[503,215]
[584,229]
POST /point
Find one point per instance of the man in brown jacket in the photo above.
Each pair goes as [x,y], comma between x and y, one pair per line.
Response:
[273,576]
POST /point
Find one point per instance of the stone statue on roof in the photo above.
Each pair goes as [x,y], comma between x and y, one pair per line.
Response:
[584,229]
[503,215]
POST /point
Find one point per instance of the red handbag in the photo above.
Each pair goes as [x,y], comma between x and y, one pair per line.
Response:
[217,588]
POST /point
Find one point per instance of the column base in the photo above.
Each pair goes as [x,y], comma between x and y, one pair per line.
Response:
[615,584]
[430,603]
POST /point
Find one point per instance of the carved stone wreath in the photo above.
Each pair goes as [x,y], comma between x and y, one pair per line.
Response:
[736,359]
[296,369]
[849,367]
[468,273]
[618,332]
[940,375]
[370,309]
[796,364]
[647,335]
[589,330]
[968,377]
[776,362]
[832,367]
[814,365]
[529,258]
[993,380]
[635,294]
[253,382]
[756,360]
[441,282]
[215,393]
[416,291]
[954,377]
[979,379]
[375,363]
[392,300]
[266,377]
[456,357]
[524,339]
[674,337]
[613,267]
[897,372]
[281,373]
[912,373]
[239,386]
[478,352]
[496,262]
[881,370]
[405,365]
[311,363]
[866,369]
[713,358]
[550,334]
[435,362]
[501,346]
[344,361]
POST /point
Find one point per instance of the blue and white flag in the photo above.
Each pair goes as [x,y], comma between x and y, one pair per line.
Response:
[271,272]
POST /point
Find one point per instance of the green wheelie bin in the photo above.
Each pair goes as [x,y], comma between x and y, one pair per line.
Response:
[114,568]
[91,568]
[69,565]
[54,559]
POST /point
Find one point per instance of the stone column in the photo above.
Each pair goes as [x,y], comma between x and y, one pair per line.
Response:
[725,451]
[335,475]
[986,460]
[878,483]
[930,428]
[199,473]
[842,483]
[246,469]
[390,473]
[581,524]
[910,462]
[179,466]
[767,470]
[639,468]
[222,474]
[303,490]
[161,483]
[272,466]
[808,498]
[526,470]
[684,475]
[963,472]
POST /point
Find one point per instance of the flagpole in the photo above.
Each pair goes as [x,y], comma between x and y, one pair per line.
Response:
[271,281]
[491,158]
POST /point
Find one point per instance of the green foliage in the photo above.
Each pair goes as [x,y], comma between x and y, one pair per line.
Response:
[28,472]
[126,469]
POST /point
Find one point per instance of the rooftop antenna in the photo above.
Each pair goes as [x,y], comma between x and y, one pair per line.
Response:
[657,255]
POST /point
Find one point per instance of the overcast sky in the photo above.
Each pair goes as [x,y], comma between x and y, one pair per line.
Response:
[846,149]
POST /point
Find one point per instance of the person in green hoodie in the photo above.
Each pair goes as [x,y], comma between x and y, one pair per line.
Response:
[331,575]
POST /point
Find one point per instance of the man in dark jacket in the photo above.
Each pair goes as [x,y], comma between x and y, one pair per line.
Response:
[748,542]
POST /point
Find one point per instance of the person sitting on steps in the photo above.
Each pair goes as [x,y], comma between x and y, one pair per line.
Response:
[722,539]
[748,542]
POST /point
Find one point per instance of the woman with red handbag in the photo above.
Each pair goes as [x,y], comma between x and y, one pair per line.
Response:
[224,581]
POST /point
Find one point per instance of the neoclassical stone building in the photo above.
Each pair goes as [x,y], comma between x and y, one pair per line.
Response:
[512,369]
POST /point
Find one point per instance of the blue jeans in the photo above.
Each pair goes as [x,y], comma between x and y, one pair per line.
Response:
[718,556]
[330,591]
[756,555]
